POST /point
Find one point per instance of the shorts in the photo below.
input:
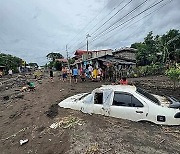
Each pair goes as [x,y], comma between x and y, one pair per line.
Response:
[64,75]
[75,76]
[51,75]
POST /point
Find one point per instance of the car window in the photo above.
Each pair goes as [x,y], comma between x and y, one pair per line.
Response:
[135,102]
[122,99]
[98,98]
[148,95]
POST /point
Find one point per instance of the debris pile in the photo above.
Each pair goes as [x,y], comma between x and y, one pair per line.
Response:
[93,149]
[12,87]
[67,122]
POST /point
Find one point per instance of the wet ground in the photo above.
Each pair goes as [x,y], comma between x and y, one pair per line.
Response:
[29,115]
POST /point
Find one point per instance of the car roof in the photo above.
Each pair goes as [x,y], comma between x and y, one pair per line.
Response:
[122,88]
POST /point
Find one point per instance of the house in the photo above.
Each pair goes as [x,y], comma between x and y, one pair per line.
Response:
[127,54]
[100,53]
[122,61]
[62,60]
[78,54]
[83,58]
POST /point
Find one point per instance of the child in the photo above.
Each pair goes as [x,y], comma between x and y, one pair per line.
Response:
[31,86]
[123,81]
[51,74]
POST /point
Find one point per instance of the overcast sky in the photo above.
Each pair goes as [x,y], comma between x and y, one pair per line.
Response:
[30,29]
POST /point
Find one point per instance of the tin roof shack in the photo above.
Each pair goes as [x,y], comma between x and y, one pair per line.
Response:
[78,54]
[84,58]
[128,54]
[1,70]
[120,67]
[100,53]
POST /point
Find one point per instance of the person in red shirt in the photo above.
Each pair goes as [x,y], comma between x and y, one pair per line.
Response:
[123,81]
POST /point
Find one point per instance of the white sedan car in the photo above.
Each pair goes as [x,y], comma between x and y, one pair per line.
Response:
[126,102]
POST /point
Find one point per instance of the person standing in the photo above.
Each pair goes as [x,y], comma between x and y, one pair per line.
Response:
[51,74]
[75,74]
[10,72]
[100,73]
[64,73]
[90,69]
[110,72]
[95,74]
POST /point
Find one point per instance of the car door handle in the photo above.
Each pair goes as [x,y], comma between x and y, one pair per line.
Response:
[139,111]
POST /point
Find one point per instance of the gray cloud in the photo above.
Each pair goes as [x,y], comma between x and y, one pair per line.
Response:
[32,29]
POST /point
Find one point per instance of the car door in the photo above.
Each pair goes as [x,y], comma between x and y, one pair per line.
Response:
[98,102]
[103,101]
[127,106]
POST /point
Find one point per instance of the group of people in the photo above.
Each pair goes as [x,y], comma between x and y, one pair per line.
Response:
[95,74]
[92,73]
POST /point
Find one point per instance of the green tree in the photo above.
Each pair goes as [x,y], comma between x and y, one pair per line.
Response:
[71,60]
[57,65]
[10,62]
[170,42]
[35,65]
[52,56]
[53,63]
[151,49]
[158,48]
[174,75]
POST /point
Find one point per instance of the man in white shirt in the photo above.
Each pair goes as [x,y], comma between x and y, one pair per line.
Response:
[10,72]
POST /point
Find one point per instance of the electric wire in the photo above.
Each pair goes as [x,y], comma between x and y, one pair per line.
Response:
[100,35]
[156,10]
[120,18]
[100,21]
[87,24]
[110,17]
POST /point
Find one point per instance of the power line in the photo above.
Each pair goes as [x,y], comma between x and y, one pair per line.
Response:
[111,16]
[102,19]
[108,14]
[123,16]
[140,20]
[127,20]
[87,24]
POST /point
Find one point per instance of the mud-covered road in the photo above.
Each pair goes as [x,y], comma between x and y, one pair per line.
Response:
[29,115]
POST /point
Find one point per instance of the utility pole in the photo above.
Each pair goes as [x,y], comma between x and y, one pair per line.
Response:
[67,57]
[87,40]
[68,63]
[67,52]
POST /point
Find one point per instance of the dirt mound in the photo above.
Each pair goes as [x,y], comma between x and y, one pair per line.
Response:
[52,111]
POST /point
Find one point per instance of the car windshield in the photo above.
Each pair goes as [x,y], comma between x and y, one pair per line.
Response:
[83,96]
[148,95]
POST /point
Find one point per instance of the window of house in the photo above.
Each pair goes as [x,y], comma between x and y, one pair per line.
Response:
[98,98]
[122,99]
